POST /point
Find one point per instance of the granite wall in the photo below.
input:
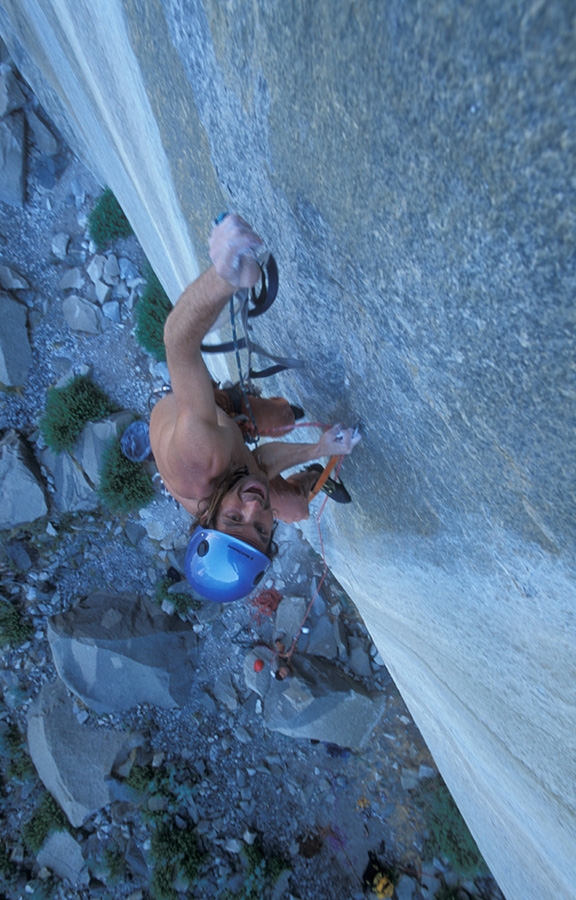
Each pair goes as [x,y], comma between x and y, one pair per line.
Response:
[412,165]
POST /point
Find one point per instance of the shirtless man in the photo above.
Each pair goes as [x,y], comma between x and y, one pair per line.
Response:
[234,493]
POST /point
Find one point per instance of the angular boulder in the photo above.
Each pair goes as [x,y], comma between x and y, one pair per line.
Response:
[89,448]
[11,280]
[62,854]
[11,96]
[15,349]
[73,761]
[81,315]
[316,701]
[21,489]
[12,160]
[118,650]
[73,492]
[43,137]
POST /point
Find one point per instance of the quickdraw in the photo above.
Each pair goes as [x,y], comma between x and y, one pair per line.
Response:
[253,303]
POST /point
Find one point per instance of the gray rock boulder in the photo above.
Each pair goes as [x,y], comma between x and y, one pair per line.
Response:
[73,492]
[62,854]
[10,280]
[81,315]
[72,280]
[102,291]
[315,701]
[60,243]
[90,446]
[118,650]
[289,616]
[15,349]
[111,310]
[111,270]
[73,761]
[12,159]
[43,137]
[21,488]
[11,96]
[95,268]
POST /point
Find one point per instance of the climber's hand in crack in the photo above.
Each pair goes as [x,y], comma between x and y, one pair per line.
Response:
[338,441]
[234,249]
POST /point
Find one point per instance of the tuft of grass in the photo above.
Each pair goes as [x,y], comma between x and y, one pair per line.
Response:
[107,221]
[70,408]
[449,835]
[114,862]
[14,628]
[175,853]
[183,602]
[445,892]
[47,817]
[124,485]
[151,313]
[19,767]
[7,867]
[262,872]
[142,778]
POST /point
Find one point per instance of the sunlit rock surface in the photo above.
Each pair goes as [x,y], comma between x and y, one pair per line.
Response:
[412,167]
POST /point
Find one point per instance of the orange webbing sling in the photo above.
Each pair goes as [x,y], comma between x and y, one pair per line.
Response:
[323,478]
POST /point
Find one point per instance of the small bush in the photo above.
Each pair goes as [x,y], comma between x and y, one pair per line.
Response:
[7,867]
[183,602]
[14,628]
[151,313]
[70,408]
[175,853]
[107,222]
[14,754]
[46,818]
[448,833]
[142,779]
[445,892]
[124,485]
[114,862]
[261,872]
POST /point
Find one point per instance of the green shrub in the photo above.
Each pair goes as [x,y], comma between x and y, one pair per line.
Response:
[124,485]
[173,784]
[114,862]
[448,833]
[142,778]
[182,602]
[445,892]
[151,313]
[14,628]
[14,752]
[70,408]
[107,221]
[175,853]
[47,817]
[261,872]
[7,867]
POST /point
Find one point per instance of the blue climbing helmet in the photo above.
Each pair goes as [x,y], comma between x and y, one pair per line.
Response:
[223,568]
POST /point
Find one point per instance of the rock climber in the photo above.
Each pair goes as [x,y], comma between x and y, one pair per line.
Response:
[234,493]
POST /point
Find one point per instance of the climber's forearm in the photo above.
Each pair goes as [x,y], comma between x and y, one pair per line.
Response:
[277,456]
[193,316]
